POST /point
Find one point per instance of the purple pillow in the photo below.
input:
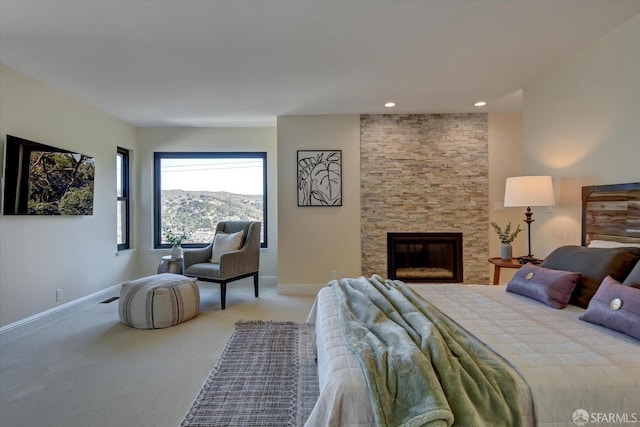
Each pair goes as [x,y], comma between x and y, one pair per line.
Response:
[552,287]
[615,306]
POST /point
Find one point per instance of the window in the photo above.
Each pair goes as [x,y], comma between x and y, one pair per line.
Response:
[195,191]
[122,199]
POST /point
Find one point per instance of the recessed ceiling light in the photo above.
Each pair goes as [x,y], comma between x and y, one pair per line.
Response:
[390,104]
[480,104]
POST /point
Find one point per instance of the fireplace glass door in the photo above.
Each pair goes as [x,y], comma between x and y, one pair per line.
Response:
[424,257]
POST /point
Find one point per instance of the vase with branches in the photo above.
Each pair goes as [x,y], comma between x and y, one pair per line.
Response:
[175,239]
[506,237]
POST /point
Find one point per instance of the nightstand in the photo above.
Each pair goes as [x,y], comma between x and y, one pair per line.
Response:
[499,263]
[171,265]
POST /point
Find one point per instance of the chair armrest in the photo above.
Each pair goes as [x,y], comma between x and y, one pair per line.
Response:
[195,256]
[238,262]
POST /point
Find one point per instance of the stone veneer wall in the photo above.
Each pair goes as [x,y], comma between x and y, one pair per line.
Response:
[425,173]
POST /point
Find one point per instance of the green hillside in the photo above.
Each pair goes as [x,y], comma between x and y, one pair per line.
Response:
[198,212]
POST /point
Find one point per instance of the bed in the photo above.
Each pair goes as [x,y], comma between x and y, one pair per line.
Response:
[554,368]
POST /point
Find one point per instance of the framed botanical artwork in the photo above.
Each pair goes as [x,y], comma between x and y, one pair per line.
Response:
[319,177]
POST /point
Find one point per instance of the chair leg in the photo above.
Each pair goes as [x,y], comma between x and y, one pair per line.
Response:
[255,284]
[223,294]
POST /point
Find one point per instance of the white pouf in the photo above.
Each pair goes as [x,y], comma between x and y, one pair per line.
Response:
[159,301]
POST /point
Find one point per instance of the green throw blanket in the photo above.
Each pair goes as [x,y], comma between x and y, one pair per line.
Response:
[422,368]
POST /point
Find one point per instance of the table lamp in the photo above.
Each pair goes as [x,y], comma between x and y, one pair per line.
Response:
[528,191]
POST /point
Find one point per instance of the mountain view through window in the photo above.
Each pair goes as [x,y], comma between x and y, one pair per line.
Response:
[196,191]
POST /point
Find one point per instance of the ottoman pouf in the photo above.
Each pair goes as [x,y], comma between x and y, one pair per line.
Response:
[159,301]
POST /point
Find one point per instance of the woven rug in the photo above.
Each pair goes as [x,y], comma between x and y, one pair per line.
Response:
[266,376]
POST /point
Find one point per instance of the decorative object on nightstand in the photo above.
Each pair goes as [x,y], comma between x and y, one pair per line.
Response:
[175,239]
[529,191]
[506,237]
[177,252]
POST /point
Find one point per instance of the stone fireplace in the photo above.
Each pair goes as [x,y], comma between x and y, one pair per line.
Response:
[425,173]
[425,257]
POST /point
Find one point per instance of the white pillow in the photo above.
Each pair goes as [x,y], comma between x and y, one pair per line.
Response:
[611,244]
[223,243]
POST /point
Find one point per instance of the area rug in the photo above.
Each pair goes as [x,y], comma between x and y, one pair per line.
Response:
[266,376]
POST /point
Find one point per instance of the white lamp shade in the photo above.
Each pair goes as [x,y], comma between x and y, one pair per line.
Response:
[529,191]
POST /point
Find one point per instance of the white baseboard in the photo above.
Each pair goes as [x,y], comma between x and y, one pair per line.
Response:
[63,309]
[47,316]
[268,280]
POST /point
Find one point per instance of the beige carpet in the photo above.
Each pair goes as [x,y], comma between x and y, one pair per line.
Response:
[88,370]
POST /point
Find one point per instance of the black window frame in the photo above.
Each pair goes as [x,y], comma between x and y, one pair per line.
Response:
[157,211]
[125,174]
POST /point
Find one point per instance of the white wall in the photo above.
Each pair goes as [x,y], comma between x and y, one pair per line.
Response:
[313,241]
[505,160]
[582,127]
[39,254]
[151,140]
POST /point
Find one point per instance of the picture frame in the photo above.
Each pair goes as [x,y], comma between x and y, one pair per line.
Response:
[319,178]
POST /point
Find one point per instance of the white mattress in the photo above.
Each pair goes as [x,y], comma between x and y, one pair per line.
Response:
[569,364]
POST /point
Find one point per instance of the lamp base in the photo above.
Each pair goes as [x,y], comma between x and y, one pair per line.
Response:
[529,259]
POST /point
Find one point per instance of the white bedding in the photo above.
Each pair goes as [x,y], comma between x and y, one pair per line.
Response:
[344,399]
[569,364]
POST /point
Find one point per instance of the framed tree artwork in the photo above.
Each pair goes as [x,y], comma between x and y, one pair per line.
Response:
[319,177]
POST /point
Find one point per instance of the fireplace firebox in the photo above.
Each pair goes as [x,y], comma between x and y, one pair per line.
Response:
[425,257]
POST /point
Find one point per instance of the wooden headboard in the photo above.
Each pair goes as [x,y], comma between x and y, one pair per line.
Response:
[611,212]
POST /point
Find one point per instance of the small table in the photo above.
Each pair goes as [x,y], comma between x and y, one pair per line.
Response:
[171,265]
[499,263]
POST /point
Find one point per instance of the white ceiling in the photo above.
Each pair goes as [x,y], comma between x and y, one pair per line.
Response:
[242,63]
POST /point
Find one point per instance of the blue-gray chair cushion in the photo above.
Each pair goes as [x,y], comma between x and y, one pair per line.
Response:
[204,269]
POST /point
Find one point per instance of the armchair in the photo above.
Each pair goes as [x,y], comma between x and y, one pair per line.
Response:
[234,265]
